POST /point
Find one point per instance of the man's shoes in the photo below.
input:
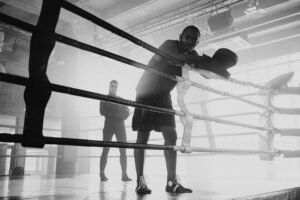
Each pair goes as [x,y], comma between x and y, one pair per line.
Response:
[126,178]
[176,188]
[142,187]
[103,178]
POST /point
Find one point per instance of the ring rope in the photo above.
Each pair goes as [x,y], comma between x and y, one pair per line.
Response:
[108,54]
[17,138]
[63,39]
[145,43]
[29,156]
[76,43]
[96,50]
[289,91]
[226,98]
[204,87]
[237,114]
[76,10]
[246,83]
[223,121]
[31,28]
[236,151]
[111,55]
[87,47]
[21,127]
[84,46]
[82,93]
[16,22]
[289,111]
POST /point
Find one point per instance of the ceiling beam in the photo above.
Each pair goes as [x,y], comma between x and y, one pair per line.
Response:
[32,6]
[251,26]
[119,8]
[284,46]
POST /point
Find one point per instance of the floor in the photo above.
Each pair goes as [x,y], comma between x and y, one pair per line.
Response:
[89,187]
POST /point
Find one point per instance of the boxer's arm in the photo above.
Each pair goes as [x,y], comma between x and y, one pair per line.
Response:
[170,47]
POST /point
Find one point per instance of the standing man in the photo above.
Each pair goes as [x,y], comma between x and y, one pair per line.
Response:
[115,115]
[155,90]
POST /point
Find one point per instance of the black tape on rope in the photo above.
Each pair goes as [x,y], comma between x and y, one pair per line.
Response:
[83,93]
[17,138]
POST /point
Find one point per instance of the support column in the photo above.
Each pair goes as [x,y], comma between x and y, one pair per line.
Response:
[52,151]
[267,137]
[67,164]
[84,163]
[187,119]
[17,164]
[210,136]
[3,150]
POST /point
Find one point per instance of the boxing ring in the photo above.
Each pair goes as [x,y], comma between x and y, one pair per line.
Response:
[38,90]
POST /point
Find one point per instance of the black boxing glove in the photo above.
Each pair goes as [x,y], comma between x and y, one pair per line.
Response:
[225,56]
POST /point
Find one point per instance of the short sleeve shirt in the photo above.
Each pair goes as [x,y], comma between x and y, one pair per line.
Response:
[153,84]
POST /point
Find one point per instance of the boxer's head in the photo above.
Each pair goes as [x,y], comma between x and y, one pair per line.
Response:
[189,38]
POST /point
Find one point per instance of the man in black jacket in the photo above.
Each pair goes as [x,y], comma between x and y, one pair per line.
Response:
[115,115]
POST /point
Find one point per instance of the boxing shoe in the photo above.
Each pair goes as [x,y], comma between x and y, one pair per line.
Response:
[174,187]
[142,187]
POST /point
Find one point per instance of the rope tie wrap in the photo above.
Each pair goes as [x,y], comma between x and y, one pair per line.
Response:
[187,119]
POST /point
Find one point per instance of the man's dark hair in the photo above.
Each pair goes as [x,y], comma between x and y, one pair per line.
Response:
[113,81]
[192,28]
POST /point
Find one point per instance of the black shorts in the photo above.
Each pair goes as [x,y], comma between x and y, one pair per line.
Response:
[146,121]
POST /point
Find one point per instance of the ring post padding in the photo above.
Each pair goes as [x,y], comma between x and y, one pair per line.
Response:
[187,121]
[183,86]
[36,95]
